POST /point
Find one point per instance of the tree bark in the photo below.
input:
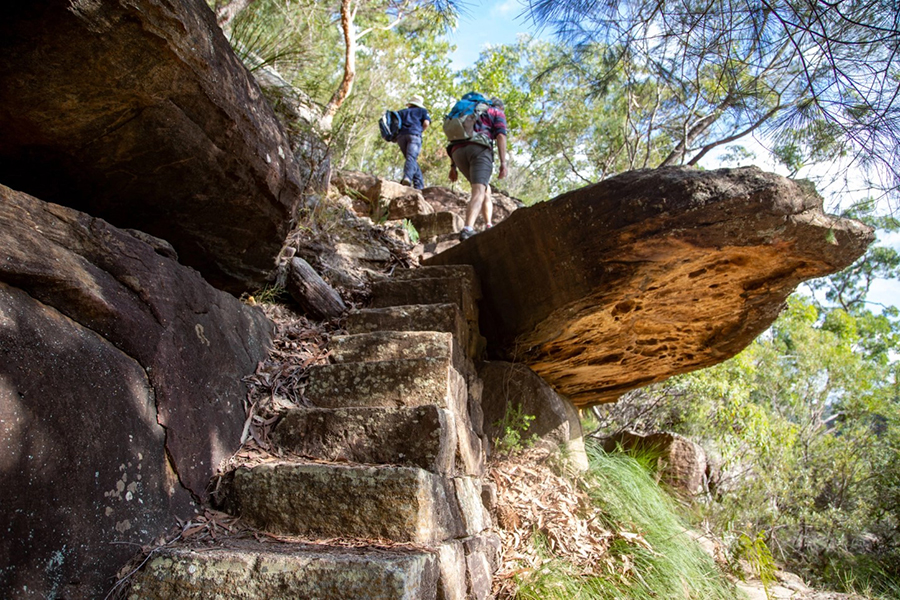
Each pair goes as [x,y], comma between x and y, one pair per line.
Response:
[227,10]
[346,86]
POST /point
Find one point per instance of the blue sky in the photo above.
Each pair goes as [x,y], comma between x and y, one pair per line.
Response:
[488,22]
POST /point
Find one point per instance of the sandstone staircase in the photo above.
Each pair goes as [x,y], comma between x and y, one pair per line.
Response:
[387,497]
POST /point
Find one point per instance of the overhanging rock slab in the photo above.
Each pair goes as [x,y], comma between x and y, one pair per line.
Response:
[649,274]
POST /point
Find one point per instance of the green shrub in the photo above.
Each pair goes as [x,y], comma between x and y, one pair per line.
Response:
[512,428]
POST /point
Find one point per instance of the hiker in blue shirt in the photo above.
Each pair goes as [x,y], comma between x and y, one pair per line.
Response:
[415,120]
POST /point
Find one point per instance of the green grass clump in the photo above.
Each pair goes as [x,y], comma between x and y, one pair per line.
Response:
[628,499]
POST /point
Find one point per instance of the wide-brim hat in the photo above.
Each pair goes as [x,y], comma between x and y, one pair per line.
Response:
[417,101]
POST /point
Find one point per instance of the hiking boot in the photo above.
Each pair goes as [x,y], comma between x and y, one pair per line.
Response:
[466,233]
[405,181]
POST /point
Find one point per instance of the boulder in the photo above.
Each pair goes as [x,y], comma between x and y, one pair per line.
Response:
[353,183]
[139,113]
[299,112]
[120,393]
[446,200]
[410,205]
[433,225]
[680,463]
[556,424]
[387,197]
[649,274]
[504,205]
[356,185]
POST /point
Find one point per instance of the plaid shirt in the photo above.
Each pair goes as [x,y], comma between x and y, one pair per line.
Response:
[492,123]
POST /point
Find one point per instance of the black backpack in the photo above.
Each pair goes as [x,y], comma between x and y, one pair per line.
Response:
[389,125]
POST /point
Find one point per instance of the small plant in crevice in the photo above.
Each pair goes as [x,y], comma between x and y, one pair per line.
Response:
[511,430]
[268,294]
[411,231]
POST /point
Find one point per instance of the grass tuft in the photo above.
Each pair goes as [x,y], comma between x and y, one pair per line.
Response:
[661,561]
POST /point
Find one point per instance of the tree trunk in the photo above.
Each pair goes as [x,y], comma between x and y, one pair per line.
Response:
[227,10]
[311,292]
[346,86]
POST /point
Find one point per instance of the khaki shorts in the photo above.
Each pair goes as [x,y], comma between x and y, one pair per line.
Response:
[475,161]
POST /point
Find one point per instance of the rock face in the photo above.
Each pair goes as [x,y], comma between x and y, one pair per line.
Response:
[649,274]
[556,423]
[139,113]
[120,392]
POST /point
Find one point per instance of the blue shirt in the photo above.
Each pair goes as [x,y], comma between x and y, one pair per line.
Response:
[411,120]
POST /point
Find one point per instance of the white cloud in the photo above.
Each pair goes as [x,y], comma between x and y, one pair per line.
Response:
[505,8]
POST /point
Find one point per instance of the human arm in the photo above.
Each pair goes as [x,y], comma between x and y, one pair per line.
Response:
[425,124]
[501,151]
[454,175]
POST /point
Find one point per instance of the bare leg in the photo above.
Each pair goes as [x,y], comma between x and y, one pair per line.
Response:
[475,203]
[487,209]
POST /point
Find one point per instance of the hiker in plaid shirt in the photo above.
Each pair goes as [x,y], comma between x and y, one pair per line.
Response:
[475,158]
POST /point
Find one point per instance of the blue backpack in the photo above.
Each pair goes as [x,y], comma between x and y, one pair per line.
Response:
[389,125]
[459,124]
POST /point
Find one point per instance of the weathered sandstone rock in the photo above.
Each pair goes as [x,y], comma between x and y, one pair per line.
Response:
[446,200]
[140,113]
[511,386]
[680,463]
[299,113]
[408,206]
[435,224]
[82,459]
[386,195]
[329,500]
[354,183]
[649,274]
[111,358]
[279,570]
[421,436]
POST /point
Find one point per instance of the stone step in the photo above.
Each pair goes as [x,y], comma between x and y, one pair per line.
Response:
[422,436]
[287,571]
[465,272]
[428,290]
[444,317]
[393,345]
[388,383]
[323,501]
[279,570]
[404,383]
